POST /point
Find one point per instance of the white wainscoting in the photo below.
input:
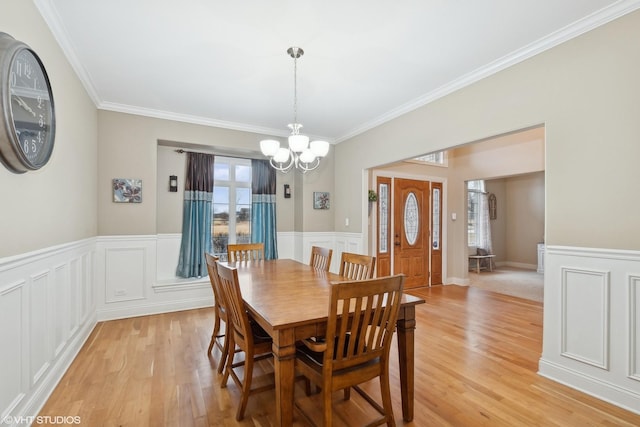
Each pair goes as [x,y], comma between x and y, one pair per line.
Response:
[135,275]
[51,299]
[592,322]
[48,311]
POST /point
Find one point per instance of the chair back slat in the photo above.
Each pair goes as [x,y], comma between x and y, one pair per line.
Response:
[236,313]
[357,267]
[245,252]
[320,258]
[362,318]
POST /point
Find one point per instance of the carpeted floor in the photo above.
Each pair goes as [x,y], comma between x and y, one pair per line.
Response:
[527,284]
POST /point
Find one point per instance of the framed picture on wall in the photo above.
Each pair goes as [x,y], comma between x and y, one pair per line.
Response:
[127,190]
[320,200]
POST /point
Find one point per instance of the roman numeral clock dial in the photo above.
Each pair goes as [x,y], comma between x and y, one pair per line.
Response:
[27,129]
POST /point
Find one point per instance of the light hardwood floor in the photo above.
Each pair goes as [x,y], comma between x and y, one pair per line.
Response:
[476,361]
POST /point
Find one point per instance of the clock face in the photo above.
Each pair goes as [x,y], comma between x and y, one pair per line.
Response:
[31,109]
[27,122]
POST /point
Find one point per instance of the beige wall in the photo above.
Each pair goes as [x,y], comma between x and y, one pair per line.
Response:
[56,204]
[129,149]
[519,225]
[584,92]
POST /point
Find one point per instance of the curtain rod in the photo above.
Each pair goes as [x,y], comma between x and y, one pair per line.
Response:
[234,156]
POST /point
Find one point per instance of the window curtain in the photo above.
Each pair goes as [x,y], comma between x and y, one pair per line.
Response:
[196,216]
[484,226]
[263,207]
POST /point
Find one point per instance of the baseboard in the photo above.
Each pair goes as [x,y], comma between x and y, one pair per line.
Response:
[457,281]
[40,394]
[595,387]
[513,264]
[153,308]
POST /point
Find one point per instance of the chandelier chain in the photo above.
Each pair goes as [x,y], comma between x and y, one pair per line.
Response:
[295,89]
[301,154]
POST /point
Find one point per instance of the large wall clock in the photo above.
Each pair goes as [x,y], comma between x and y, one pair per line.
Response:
[28,125]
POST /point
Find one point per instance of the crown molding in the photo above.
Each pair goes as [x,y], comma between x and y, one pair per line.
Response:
[567,33]
[52,18]
[596,19]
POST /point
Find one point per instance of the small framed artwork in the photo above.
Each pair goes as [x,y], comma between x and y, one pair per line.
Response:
[127,190]
[320,200]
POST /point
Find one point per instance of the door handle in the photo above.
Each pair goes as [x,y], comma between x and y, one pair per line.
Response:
[397,240]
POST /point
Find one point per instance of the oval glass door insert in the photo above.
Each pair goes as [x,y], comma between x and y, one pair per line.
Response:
[411,218]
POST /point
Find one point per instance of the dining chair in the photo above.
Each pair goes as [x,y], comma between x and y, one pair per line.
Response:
[245,252]
[361,322]
[357,267]
[219,313]
[242,335]
[320,258]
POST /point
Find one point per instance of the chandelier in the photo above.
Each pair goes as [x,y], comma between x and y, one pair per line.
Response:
[301,154]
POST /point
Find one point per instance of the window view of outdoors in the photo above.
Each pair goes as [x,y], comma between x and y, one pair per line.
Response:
[231,203]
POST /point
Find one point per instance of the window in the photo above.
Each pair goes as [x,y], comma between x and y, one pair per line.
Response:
[231,203]
[439,158]
[474,190]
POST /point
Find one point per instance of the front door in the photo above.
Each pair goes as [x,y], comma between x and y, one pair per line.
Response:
[411,234]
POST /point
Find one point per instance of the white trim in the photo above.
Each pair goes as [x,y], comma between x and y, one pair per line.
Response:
[603,366]
[603,361]
[15,261]
[634,331]
[588,384]
[147,309]
[571,31]
[596,19]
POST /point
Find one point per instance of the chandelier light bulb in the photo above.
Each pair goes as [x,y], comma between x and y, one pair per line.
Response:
[320,148]
[298,143]
[281,156]
[307,156]
[269,147]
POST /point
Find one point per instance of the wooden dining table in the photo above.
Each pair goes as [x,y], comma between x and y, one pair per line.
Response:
[290,300]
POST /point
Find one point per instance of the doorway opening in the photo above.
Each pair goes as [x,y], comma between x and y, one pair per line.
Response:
[508,163]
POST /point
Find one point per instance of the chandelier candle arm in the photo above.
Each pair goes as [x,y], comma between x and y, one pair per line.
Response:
[302,154]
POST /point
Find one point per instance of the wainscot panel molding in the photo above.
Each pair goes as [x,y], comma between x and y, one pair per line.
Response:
[48,312]
[291,245]
[591,322]
[135,276]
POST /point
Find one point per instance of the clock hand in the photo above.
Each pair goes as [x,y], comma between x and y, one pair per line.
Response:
[24,105]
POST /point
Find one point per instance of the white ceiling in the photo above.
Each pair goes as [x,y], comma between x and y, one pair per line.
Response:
[366,61]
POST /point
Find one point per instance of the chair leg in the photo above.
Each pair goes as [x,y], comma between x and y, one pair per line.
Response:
[246,386]
[229,362]
[386,398]
[225,354]
[347,393]
[214,334]
[326,398]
